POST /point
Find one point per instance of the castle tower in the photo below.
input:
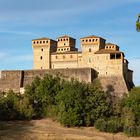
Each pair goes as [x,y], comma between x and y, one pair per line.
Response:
[65,44]
[42,49]
[90,45]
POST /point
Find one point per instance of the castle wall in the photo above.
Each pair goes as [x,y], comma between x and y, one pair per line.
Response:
[16,80]
[68,60]
[114,84]
[106,66]
[10,80]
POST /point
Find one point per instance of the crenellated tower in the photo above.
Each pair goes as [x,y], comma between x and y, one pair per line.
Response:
[42,49]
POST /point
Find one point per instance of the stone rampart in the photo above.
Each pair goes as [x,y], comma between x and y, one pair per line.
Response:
[16,80]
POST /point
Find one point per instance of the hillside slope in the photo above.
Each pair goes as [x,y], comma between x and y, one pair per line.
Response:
[46,129]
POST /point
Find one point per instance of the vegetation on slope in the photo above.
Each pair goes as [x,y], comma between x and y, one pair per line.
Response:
[74,104]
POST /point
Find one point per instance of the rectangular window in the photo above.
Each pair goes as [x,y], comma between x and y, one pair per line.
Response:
[112,56]
[118,56]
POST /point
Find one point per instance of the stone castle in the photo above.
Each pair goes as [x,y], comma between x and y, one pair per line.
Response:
[97,60]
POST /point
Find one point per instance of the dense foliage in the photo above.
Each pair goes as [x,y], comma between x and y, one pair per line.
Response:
[138,23]
[74,103]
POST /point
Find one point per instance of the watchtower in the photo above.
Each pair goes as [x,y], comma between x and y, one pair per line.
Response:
[90,45]
[42,49]
[65,44]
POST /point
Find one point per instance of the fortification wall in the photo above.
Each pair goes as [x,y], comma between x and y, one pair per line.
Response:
[16,80]
[114,84]
[10,80]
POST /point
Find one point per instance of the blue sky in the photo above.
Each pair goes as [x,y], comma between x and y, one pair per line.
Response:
[22,21]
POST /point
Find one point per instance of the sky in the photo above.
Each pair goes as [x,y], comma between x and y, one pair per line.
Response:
[22,21]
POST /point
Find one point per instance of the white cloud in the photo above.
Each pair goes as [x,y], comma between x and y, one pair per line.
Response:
[19,32]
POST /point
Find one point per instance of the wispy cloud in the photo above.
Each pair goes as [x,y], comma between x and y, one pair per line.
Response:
[19,32]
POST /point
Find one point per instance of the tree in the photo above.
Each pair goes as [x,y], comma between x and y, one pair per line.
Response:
[138,23]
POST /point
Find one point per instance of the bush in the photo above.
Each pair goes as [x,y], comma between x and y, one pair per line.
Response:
[100,124]
[41,94]
[13,106]
[112,125]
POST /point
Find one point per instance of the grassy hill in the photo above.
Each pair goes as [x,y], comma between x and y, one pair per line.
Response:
[46,129]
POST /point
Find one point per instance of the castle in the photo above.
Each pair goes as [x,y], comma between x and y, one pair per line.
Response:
[97,59]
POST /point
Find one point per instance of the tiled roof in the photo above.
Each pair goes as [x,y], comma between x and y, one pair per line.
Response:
[42,39]
[103,51]
[92,36]
[110,44]
[65,36]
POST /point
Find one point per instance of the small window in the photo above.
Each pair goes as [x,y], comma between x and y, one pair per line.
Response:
[42,50]
[92,40]
[61,39]
[37,42]
[96,39]
[67,48]
[46,41]
[112,56]
[86,40]
[41,68]
[89,60]
[89,49]
[64,44]
[63,56]
[89,40]
[43,41]
[107,47]
[40,42]
[118,56]
[41,57]
[64,49]
[34,42]
[58,40]
[64,39]
[56,57]
[61,49]
[83,40]
[67,39]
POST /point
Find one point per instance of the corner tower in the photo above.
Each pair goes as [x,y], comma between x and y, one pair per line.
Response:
[42,49]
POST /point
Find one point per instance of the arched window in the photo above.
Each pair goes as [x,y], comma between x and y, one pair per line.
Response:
[41,57]
[89,49]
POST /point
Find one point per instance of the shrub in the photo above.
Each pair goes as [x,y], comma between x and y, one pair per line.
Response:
[100,124]
[112,125]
